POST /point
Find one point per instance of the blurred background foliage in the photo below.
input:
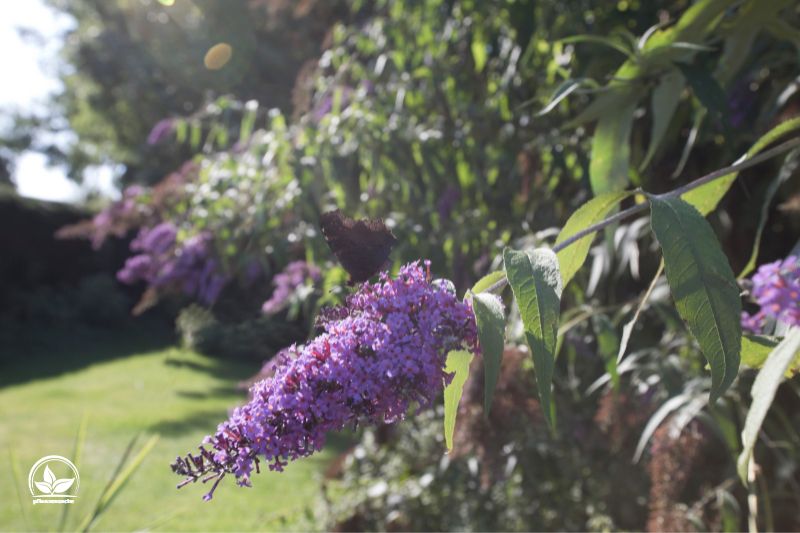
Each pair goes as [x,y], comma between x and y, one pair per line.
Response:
[467,126]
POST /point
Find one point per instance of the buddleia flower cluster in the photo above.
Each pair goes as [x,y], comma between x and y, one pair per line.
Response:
[377,356]
[776,289]
[165,263]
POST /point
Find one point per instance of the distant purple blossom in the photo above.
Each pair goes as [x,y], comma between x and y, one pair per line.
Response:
[286,283]
[378,355]
[117,218]
[776,289]
[163,263]
[160,131]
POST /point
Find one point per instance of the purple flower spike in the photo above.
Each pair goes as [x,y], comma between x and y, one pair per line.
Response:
[379,355]
[776,288]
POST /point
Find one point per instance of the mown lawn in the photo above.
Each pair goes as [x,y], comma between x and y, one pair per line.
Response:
[127,384]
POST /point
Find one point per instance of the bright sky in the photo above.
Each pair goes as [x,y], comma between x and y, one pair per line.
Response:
[30,68]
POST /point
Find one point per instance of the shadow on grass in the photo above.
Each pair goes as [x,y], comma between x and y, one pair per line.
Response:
[34,351]
[207,421]
[219,368]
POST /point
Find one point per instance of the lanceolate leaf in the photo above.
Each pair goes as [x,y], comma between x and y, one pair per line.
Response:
[571,258]
[665,99]
[627,329]
[608,168]
[702,285]
[566,88]
[491,323]
[487,281]
[706,197]
[536,282]
[763,392]
[458,363]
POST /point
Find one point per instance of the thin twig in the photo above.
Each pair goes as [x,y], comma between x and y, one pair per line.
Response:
[626,213]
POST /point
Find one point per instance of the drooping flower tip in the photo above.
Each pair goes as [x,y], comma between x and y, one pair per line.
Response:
[379,354]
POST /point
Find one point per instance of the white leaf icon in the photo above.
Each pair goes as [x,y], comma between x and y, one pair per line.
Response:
[44,487]
[49,478]
[62,485]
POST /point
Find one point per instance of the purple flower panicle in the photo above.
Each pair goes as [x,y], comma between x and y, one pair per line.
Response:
[162,262]
[377,356]
[776,289]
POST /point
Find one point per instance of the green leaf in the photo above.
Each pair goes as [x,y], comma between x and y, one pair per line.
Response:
[763,392]
[627,329]
[571,258]
[608,168]
[665,100]
[487,281]
[702,285]
[787,170]
[604,41]
[706,197]
[704,86]
[566,88]
[536,282]
[479,52]
[756,349]
[490,318]
[457,362]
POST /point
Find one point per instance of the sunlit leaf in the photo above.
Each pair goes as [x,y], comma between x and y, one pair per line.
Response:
[608,168]
[703,286]
[763,392]
[487,281]
[536,282]
[479,52]
[706,197]
[457,363]
[571,258]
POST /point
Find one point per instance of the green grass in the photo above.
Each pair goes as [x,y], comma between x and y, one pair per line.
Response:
[126,385]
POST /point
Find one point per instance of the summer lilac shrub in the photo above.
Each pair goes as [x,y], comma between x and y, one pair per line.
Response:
[377,356]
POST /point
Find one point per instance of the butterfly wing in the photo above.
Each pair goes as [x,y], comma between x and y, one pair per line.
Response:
[361,246]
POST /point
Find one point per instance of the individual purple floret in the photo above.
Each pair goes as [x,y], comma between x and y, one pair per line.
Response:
[380,354]
[286,283]
[776,288]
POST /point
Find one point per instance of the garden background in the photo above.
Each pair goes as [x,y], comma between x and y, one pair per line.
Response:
[206,138]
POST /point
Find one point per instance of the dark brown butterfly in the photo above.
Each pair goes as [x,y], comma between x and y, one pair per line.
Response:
[361,246]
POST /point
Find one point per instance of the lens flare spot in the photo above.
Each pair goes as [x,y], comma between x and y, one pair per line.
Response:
[218,56]
[166,2]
